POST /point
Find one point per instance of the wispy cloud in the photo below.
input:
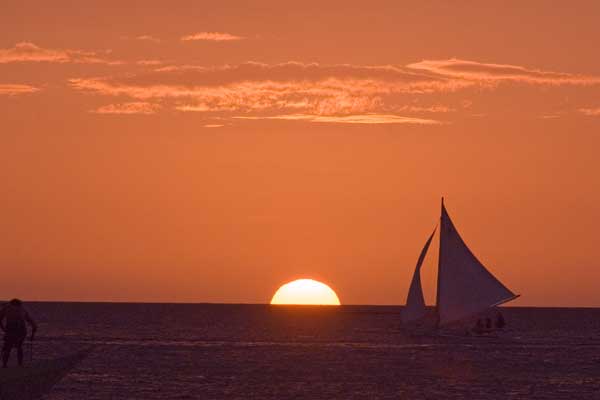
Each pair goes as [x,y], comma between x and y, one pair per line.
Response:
[16,89]
[143,38]
[212,37]
[493,73]
[287,88]
[320,90]
[550,116]
[128,108]
[30,52]
[213,126]
[428,109]
[590,112]
[148,38]
[193,108]
[350,119]
[149,62]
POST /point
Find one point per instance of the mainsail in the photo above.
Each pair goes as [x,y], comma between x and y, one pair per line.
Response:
[415,303]
[465,287]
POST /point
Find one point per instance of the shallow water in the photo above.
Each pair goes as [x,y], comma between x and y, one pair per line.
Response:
[167,351]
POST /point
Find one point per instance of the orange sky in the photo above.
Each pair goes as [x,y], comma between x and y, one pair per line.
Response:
[179,152]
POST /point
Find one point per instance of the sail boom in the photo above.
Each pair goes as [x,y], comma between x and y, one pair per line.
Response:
[516,296]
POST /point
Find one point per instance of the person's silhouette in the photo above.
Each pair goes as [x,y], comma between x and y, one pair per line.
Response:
[500,322]
[488,323]
[13,321]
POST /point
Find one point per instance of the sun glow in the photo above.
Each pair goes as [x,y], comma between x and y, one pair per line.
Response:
[305,291]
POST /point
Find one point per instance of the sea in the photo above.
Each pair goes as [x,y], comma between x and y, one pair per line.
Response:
[227,351]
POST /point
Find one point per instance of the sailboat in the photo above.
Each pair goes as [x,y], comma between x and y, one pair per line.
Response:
[36,380]
[465,287]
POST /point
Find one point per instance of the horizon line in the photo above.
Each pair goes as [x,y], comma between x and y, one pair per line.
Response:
[268,304]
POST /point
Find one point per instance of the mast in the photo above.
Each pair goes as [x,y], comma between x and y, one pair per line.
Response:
[437,293]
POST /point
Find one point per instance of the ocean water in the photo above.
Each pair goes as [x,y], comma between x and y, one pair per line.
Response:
[198,351]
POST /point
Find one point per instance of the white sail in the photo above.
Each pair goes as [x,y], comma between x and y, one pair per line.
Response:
[465,286]
[415,303]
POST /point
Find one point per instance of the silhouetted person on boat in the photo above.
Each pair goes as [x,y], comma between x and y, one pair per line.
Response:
[488,324]
[478,326]
[500,322]
[14,319]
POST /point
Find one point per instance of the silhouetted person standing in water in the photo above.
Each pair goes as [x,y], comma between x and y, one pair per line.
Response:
[13,321]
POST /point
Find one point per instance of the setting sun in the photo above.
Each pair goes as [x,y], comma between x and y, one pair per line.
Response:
[305,291]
